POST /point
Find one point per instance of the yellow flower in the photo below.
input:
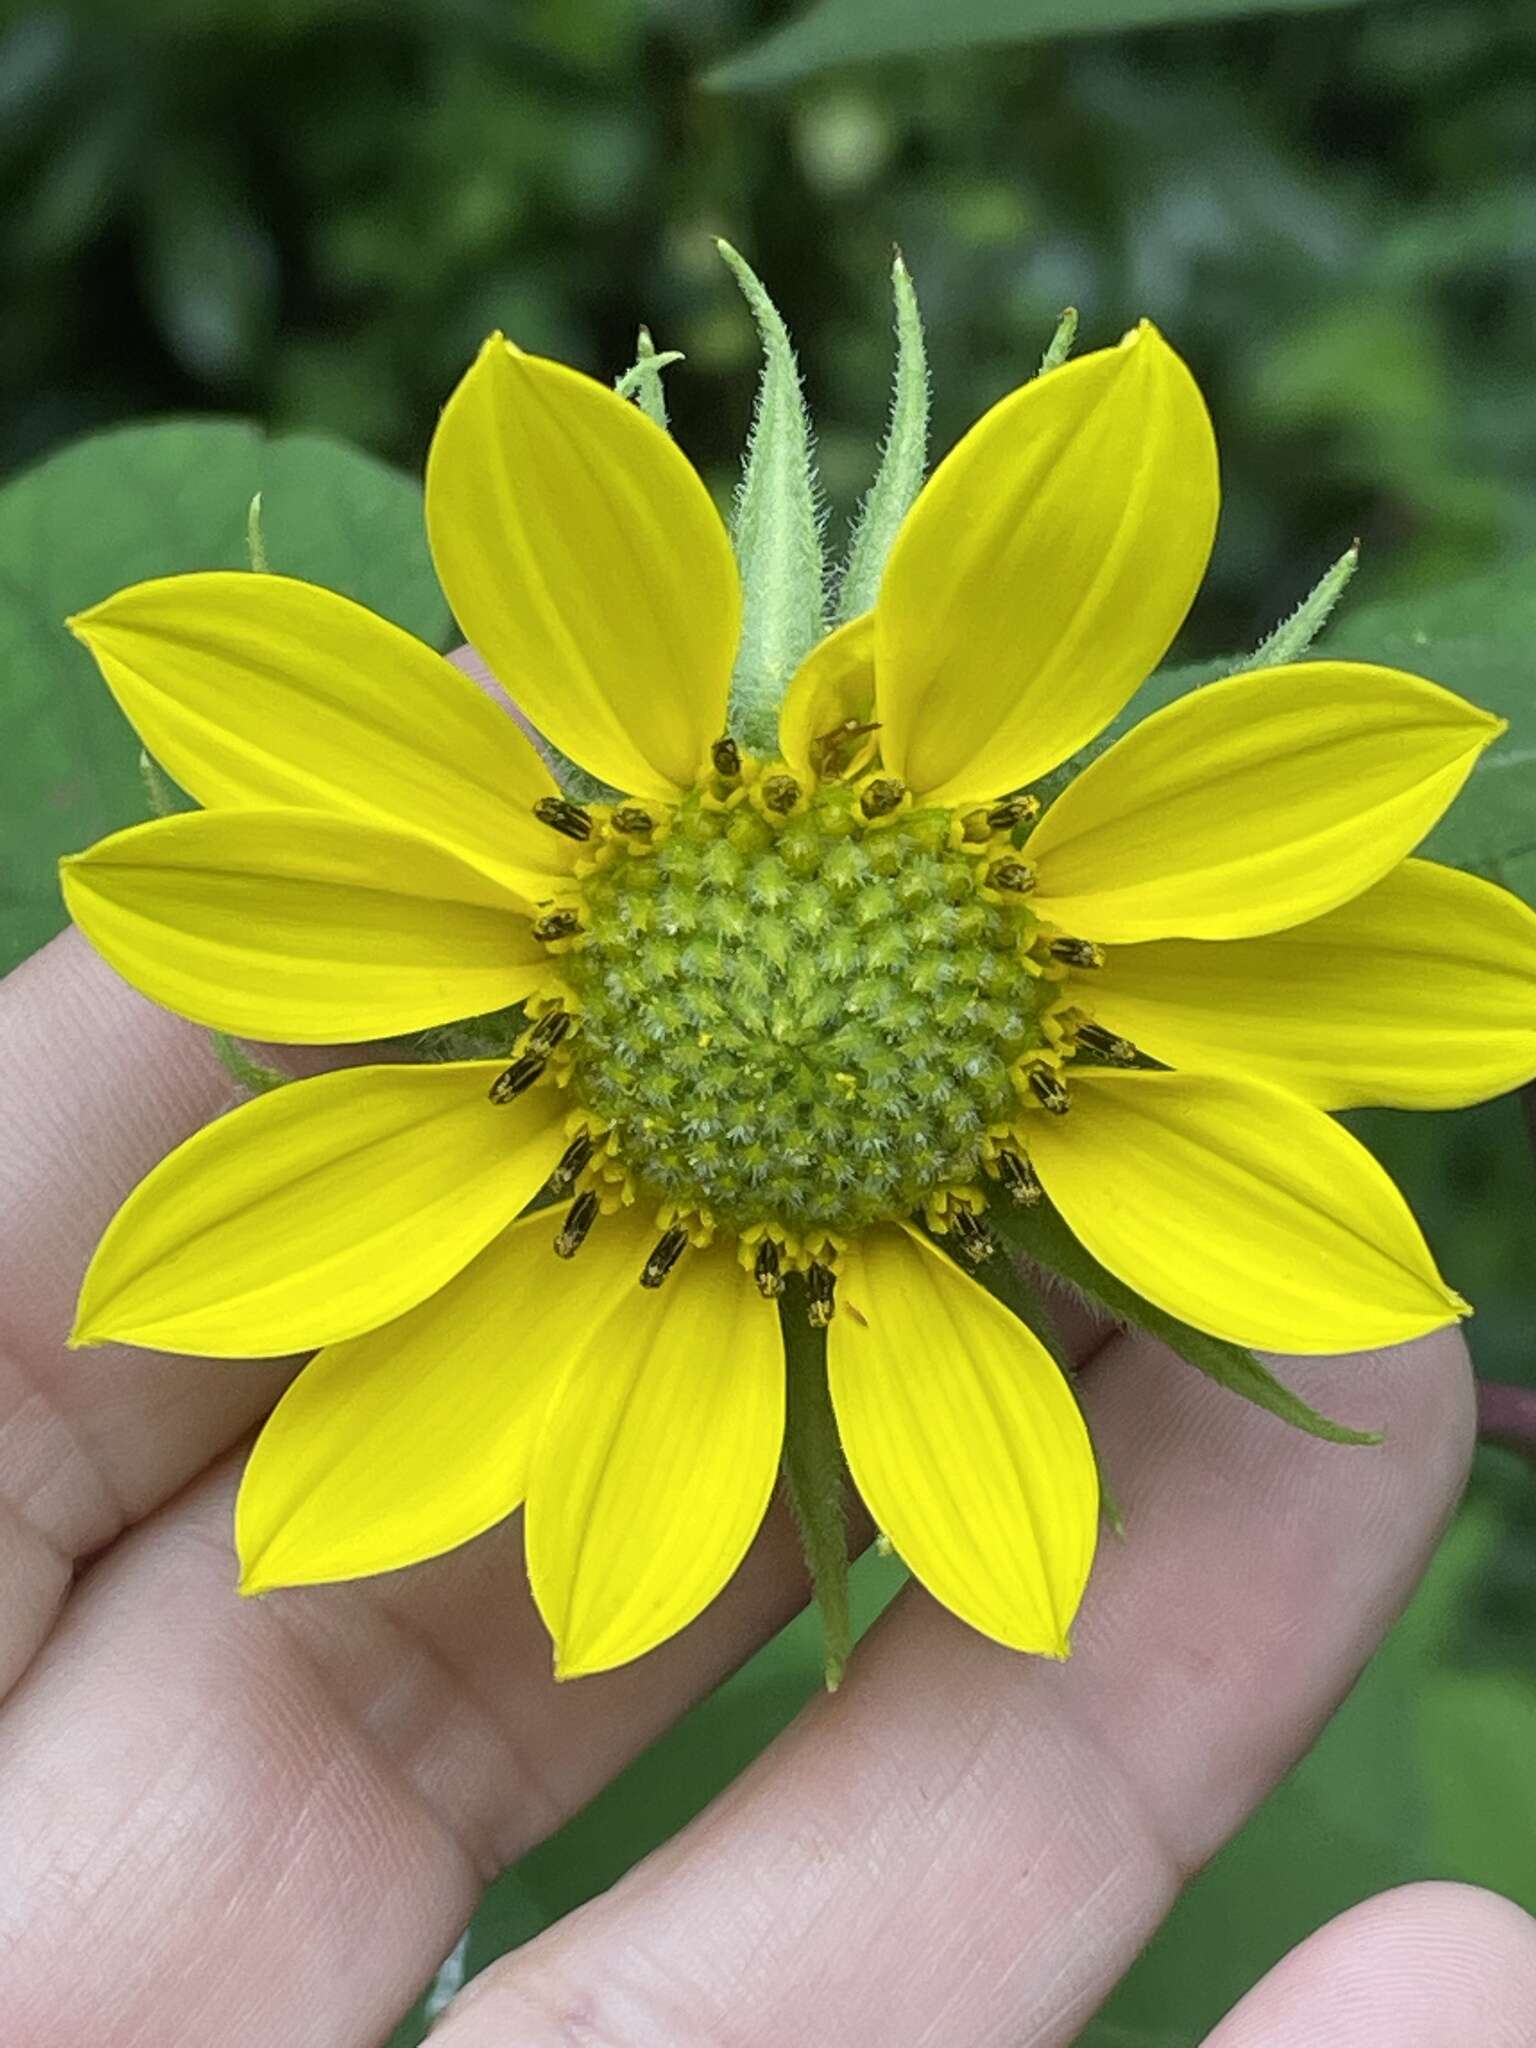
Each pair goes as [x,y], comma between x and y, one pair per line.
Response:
[772,1010]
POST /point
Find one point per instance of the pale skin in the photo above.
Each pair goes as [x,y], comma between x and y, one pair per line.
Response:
[233,1823]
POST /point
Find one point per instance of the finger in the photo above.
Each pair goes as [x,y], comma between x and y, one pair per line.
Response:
[1430,1966]
[96,1086]
[245,1822]
[1018,1827]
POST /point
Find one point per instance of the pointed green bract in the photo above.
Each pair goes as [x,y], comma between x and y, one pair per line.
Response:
[816,1480]
[903,458]
[1061,341]
[642,380]
[1006,1281]
[255,540]
[1293,636]
[776,528]
[1040,1234]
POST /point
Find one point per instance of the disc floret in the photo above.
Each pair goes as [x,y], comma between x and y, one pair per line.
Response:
[788,1010]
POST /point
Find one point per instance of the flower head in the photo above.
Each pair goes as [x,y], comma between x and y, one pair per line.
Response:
[777,1031]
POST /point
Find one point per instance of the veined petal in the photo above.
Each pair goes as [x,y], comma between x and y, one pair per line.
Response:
[1255,803]
[1241,1210]
[659,1450]
[303,926]
[319,1211]
[833,686]
[406,1442]
[586,561]
[260,690]
[965,1441]
[1420,994]
[1044,570]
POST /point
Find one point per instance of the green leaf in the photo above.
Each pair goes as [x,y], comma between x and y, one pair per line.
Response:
[1040,1234]
[856,31]
[903,458]
[776,527]
[816,1480]
[151,501]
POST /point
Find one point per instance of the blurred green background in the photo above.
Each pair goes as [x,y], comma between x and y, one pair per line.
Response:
[288,224]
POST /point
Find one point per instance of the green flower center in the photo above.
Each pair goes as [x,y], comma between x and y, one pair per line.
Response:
[806,1024]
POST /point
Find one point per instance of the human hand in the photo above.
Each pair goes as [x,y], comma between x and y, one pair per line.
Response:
[229,1824]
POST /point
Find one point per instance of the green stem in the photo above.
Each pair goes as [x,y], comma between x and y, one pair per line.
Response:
[815,1478]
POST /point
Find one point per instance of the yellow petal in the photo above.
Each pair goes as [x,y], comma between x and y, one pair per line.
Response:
[659,1450]
[1241,1210]
[1044,570]
[406,1442]
[586,561]
[302,926]
[259,690]
[965,1441]
[1420,994]
[319,1211]
[832,688]
[1255,803]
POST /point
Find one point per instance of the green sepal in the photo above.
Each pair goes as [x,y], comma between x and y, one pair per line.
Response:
[776,529]
[903,458]
[255,539]
[1061,341]
[1294,635]
[158,786]
[1006,1281]
[642,380]
[1039,1232]
[816,1479]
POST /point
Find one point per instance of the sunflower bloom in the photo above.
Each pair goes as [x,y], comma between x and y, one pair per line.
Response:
[776,1025]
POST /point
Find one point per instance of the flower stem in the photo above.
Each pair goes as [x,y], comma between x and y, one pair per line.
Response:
[815,1478]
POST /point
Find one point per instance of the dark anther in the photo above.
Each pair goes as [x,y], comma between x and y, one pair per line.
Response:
[670,1247]
[549,1031]
[767,1272]
[1019,1178]
[726,756]
[973,1237]
[821,1294]
[579,1219]
[573,1161]
[1013,810]
[564,816]
[882,796]
[557,924]
[1050,1091]
[780,794]
[519,1077]
[1016,877]
[1076,952]
[633,822]
[833,753]
[1107,1045]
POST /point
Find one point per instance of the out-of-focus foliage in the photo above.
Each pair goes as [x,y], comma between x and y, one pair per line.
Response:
[146,501]
[835,32]
[308,213]
[313,212]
